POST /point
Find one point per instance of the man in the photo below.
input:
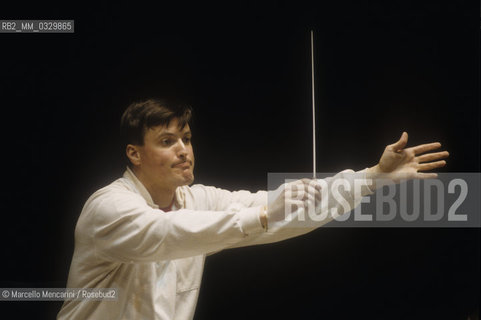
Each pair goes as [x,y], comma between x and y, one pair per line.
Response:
[148,233]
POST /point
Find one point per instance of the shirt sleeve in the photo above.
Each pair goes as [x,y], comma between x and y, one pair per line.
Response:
[217,199]
[126,229]
[289,229]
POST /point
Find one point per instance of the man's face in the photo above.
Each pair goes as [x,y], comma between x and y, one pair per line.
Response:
[167,157]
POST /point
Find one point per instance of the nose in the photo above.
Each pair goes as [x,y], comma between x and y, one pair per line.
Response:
[182,150]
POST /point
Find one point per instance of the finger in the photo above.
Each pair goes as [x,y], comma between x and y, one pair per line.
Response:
[426,147]
[433,156]
[401,143]
[294,190]
[297,194]
[312,190]
[426,175]
[431,165]
[318,193]
[311,186]
[306,193]
[294,204]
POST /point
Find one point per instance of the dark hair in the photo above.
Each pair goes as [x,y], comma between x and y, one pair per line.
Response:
[143,115]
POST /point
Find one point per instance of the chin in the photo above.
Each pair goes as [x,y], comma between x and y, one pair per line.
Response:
[188,179]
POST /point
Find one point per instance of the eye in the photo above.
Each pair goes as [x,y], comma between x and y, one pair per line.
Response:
[166,142]
[187,140]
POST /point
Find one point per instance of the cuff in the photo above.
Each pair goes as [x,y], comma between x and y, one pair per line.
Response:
[366,191]
[250,220]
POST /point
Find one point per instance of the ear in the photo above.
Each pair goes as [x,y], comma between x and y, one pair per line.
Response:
[133,154]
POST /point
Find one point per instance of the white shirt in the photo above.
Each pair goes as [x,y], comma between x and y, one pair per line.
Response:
[153,258]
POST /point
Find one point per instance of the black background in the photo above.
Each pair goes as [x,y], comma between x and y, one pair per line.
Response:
[382,68]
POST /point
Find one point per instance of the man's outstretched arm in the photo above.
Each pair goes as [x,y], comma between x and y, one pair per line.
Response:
[396,163]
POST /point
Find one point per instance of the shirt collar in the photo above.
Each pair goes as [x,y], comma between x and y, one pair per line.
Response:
[178,196]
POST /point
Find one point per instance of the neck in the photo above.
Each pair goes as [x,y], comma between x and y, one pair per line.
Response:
[161,196]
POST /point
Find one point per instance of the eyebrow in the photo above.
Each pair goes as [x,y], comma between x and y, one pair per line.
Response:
[172,134]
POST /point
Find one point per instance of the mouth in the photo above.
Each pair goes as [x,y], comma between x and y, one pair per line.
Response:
[182,165]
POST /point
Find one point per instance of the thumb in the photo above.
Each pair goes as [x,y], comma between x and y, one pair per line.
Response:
[401,143]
